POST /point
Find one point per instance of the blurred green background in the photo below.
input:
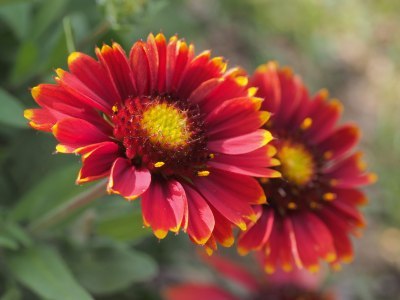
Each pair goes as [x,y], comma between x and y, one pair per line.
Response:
[350,47]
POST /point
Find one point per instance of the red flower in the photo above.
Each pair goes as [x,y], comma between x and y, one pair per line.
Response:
[313,209]
[166,125]
[279,286]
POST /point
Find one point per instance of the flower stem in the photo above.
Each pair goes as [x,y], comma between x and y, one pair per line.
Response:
[61,212]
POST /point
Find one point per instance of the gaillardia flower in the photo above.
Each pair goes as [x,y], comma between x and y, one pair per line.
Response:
[313,208]
[242,284]
[174,128]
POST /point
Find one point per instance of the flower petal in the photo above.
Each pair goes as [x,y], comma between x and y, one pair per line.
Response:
[94,76]
[97,162]
[231,194]
[241,144]
[201,220]
[76,133]
[115,62]
[164,206]
[128,181]
[235,117]
[196,291]
[258,233]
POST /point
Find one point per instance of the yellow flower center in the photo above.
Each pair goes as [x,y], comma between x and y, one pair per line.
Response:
[297,164]
[166,125]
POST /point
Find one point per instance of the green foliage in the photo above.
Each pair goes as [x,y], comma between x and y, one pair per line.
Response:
[42,269]
[11,113]
[93,267]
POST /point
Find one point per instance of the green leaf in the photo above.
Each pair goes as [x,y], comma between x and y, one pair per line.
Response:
[25,61]
[11,112]
[17,16]
[49,12]
[53,190]
[8,242]
[124,227]
[16,232]
[42,270]
[12,293]
[106,270]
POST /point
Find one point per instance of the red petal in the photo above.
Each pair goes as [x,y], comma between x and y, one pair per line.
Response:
[253,163]
[40,119]
[349,172]
[199,70]
[258,234]
[324,118]
[236,117]
[153,60]
[140,67]
[94,76]
[339,231]
[183,56]
[232,85]
[128,181]
[322,238]
[291,93]
[241,144]
[235,272]
[97,162]
[266,79]
[340,142]
[201,220]
[162,62]
[76,133]
[115,62]
[231,195]
[223,231]
[80,91]
[350,196]
[163,206]
[197,291]
[61,103]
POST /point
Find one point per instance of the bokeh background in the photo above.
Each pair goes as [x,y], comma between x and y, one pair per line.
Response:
[349,47]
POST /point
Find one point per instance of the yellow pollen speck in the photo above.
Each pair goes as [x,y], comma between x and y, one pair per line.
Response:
[297,163]
[334,182]
[307,122]
[269,269]
[329,196]
[203,173]
[328,154]
[292,205]
[115,109]
[313,205]
[211,155]
[287,267]
[159,164]
[166,125]
[264,180]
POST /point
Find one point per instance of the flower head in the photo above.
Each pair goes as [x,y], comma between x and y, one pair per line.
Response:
[313,208]
[174,128]
[279,286]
